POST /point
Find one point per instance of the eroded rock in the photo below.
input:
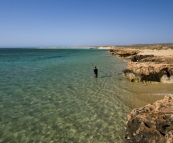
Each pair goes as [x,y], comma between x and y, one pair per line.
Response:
[152,58]
[123,52]
[152,123]
[148,71]
[151,68]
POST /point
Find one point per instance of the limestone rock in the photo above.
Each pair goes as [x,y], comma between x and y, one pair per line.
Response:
[152,123]
[139,58]
[152,58]
[123,52]
[143,67]
[136,71]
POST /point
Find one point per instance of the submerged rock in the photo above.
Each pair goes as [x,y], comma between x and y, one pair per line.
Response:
[152,123]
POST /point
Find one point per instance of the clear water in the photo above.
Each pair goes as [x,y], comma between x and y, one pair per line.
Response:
[51,96]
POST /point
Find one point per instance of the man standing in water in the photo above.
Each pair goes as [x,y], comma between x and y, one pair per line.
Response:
[95,72]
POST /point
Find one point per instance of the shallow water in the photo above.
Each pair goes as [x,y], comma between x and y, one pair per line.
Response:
[52,96]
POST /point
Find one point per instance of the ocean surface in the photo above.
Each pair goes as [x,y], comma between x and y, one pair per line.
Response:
[51,96]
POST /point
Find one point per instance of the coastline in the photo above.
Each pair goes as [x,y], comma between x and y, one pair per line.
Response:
[101,103]
[146,65]
[153,122]
[60,84]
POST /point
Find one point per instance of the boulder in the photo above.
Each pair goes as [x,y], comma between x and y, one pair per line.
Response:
[152,123]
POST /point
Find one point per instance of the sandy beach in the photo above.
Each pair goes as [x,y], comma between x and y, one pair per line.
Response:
[168,52]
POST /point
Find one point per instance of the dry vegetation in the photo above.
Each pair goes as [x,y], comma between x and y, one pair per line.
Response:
[149,46]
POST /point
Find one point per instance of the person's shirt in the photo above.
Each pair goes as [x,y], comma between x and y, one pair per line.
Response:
[95,70]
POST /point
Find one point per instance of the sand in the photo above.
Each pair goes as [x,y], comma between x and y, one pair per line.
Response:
[168,52]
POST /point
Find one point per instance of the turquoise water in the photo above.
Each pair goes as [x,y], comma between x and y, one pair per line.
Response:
[51,95]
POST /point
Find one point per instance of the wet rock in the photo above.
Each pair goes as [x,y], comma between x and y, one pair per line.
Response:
[152,123]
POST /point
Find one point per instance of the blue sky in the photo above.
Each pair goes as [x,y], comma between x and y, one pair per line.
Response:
[35,23]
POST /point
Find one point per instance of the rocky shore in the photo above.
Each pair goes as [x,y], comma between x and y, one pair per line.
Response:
[147,65]
[152,123]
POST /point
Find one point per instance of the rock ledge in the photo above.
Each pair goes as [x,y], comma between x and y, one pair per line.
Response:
[146,67]
[152,123]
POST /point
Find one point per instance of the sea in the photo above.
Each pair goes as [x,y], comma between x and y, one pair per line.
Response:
[52,96]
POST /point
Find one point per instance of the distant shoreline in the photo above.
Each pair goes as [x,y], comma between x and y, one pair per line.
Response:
[148,46]
[163,46]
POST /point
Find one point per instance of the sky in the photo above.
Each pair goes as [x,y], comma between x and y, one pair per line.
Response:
[37,23]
